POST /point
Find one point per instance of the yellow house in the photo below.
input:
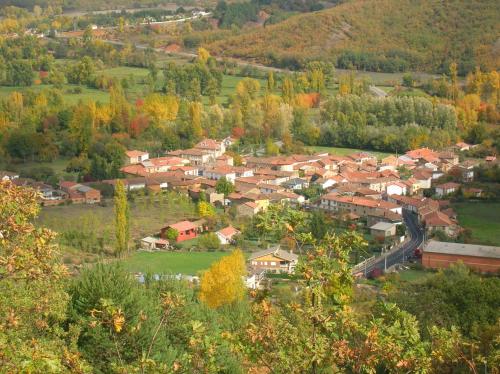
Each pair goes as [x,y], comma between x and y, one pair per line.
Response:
[274,260]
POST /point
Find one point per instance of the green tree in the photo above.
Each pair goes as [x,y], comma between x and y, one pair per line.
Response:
[224,186]
[171,234]
[122,223]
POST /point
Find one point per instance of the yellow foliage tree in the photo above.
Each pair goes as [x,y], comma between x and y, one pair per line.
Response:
[203,55]
[161,108]
[222,284]
[205,209]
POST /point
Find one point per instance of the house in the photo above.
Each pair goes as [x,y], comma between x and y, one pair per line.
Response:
[274,260]
[464,171]
[270,188]
[219,172]
[461,146]
[483,258]
[195,156]
[151,244]
[248,209]
[382,215]
[136,157]
[296,184]
[225,160]
[8,176]
[446,189]
[423,177]
[254,280]
[211,147]
[227,235]
[80,193]
[186,230]
[396,188]
[490,158]
[438,221]
[354,204]
[383,230]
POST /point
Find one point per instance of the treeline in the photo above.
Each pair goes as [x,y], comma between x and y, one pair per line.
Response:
[393,124]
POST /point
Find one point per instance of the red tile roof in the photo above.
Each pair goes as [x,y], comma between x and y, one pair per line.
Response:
[183,226]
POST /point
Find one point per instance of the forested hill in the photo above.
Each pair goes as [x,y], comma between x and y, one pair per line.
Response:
[379,35]
[91,4]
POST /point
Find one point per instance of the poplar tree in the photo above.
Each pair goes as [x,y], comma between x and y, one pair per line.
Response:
[270,81]
[121,219]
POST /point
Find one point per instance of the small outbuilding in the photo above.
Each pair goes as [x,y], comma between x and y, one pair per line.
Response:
[383,229]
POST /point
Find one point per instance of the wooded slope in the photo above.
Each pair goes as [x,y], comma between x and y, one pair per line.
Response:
[379,35]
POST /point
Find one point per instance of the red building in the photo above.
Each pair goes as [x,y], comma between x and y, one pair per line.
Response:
[187,230]
[482,258]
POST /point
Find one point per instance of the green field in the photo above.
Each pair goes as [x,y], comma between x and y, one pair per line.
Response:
[189,263]
[67,91]
[147,216]
[58,165]
[483,219]
[345,151]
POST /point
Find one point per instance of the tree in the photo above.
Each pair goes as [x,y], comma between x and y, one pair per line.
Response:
[205,209]
[222,284]
[32,292]
[121,219]
[224,186]
[319,333]
[287,91]
[171,234]
[203,55]
[19,73]
[117,317]
[270,81]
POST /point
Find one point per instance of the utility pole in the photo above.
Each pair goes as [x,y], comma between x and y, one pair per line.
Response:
[385,264]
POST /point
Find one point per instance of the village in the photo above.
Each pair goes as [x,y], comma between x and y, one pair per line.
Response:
[358,188]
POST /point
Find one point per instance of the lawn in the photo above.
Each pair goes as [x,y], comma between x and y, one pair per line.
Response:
[483,219]
[346,151]
[188,263]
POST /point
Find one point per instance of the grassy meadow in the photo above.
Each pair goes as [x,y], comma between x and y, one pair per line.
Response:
[345,151]
[188,263]
[483,219]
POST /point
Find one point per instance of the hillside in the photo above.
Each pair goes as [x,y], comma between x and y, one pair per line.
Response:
[378,35]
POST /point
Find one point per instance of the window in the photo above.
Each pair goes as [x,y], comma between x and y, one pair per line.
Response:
[273,263]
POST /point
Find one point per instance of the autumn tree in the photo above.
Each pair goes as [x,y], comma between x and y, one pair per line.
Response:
[121,219]
[222,284]
[287,91]
[320,333]
[271,85]
[205,209]
[32,291]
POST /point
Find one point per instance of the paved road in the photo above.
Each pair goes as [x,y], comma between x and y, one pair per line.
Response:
[406,250]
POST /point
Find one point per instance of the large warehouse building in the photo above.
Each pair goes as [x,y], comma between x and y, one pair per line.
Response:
[482,258]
